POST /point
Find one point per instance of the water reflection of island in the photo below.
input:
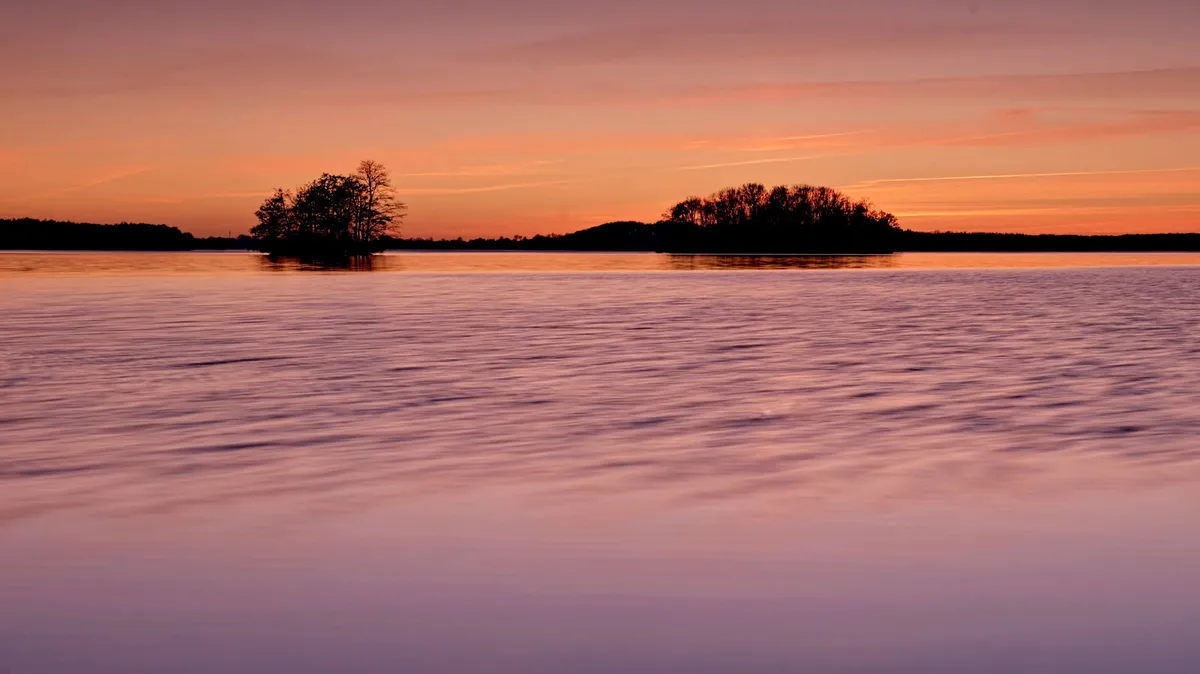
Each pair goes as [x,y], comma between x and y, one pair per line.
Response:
[748,262]
[354,263]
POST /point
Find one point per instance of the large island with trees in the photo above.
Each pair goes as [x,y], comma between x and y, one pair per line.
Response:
[792,220]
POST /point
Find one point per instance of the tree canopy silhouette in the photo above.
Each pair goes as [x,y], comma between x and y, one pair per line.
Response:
[795,219]
[334,215]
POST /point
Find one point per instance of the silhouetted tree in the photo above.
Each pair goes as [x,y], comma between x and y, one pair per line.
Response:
[324,211]
[380,210]
[274,219]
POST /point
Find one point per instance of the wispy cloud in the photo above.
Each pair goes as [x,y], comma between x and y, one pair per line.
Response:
[511,169]
[1133,84]
[1047,210]
[1032,132]
[98,181]
[822,136]
[1020,176]
[777,144]
[758,36]
[553,88]
[750,162]
[477,190]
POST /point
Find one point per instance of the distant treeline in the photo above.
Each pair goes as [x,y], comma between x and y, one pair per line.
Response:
[612,236]
[637,236]
[31,234]
[988,242]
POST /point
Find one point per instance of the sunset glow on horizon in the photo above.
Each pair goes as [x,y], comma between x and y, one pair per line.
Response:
[527,116]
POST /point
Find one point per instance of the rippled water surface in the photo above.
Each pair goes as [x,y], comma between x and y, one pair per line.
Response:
[536,463]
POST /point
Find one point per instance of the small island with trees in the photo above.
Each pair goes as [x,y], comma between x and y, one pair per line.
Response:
[331,217]
[336,217]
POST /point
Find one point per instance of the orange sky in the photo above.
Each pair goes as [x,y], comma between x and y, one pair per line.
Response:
[528,116]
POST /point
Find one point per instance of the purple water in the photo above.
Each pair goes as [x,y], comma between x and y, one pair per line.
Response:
[535,463]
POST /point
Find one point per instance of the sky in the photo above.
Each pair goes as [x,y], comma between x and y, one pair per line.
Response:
[522,117]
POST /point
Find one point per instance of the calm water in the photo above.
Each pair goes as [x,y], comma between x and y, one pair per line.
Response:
[600,463]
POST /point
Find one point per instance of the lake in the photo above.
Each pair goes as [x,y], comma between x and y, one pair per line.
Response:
[593,463]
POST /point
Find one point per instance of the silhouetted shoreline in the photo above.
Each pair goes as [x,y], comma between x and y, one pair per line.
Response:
[32,234]
[336,217]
